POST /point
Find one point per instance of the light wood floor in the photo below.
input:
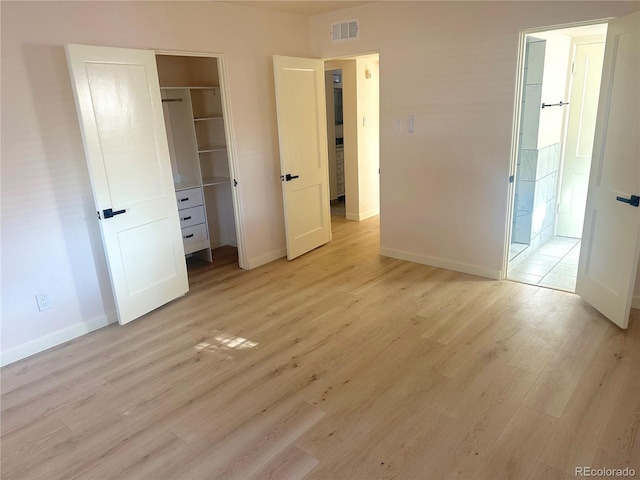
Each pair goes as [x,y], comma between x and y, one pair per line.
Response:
[339,365]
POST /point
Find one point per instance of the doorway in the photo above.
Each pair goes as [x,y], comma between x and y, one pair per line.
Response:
[196,116]
[559,91]
[353,136]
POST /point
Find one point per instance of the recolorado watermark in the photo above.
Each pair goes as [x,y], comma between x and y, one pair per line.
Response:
[605,472]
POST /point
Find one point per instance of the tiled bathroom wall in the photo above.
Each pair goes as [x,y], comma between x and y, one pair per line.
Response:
[537,169]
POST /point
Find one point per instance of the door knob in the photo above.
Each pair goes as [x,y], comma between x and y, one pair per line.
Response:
[288,177]
[634,201]
[108,213]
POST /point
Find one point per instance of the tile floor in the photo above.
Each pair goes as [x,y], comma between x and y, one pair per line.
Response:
[554,264]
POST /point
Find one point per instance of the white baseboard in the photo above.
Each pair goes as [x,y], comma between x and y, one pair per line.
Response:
[358,217]
[440,263]
[635,303]
[266,258]
[56,338]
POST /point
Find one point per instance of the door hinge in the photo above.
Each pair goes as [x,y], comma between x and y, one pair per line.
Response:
[573,67]
[511,178]
[98,213]
[235,182]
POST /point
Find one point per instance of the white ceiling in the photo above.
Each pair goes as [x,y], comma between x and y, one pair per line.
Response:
[301,7]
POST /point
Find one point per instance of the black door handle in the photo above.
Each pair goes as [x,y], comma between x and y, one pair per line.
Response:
[108,213]
[634,201]
[288,177]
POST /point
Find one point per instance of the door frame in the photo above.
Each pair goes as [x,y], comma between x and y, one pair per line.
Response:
[232,158]
[515,137]
[354,56]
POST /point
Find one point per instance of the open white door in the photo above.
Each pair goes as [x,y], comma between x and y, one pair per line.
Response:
[611,235]
[118,102]
[302,133]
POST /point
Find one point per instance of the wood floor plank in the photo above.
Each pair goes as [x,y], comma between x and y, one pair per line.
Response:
[548,335]
[561,375]
[518,447]
[291,464]
[579,431]
[620,443]
[341,364]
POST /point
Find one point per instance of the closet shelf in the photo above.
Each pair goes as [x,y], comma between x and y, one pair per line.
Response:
[202,119]
[207,182]
[185,185]
[178,87]
[219,148]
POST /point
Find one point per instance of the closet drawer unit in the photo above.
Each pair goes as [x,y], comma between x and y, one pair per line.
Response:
[191,197]
[194,234]
[191,216]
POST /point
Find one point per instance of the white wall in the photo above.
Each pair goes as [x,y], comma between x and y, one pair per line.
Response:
[368,84]
[452,65]
[554,87]
[50,237]
[350,137]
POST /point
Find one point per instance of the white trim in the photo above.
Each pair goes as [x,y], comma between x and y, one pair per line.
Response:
[441,263]
[358,217]
[266,258]
[56,338]
[635,302]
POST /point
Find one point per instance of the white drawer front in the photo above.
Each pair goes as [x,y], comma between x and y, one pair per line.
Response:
[189,198]
[191,216]
[194,234]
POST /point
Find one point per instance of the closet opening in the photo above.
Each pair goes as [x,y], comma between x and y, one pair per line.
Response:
[196,115]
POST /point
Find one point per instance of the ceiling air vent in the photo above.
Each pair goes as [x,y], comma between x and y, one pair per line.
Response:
[345,30]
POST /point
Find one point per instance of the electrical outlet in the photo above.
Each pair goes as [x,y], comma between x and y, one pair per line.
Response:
[44,302]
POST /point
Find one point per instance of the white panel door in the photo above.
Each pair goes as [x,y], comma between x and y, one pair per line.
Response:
[302,132]
[118,102]
[581,125]
[611,234]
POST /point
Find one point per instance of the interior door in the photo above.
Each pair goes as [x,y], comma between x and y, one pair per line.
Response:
[302,133]
[579,141]
[120,112]
[611,235]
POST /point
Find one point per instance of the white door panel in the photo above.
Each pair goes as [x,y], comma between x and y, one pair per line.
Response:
[120,112]
[611,234]
[579,141]
[302,132]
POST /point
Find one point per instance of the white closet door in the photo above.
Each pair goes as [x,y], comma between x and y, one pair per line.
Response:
[118,102]
[611,235]
[302,131]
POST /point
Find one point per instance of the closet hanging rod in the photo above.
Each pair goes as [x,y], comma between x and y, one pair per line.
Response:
[179,100]
[559,104]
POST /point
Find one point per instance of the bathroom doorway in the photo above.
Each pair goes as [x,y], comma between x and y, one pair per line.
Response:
[560,86]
